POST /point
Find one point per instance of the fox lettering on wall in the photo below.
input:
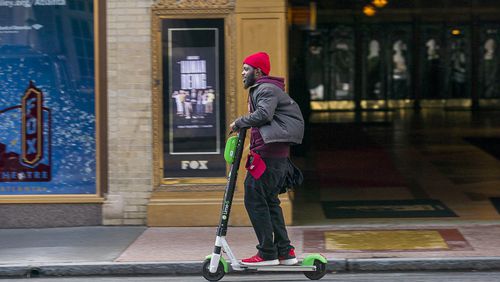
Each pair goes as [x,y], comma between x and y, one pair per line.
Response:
[194,164]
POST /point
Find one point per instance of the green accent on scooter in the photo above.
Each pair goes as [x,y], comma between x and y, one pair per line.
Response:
[309,260]
[230,150]
[224,262]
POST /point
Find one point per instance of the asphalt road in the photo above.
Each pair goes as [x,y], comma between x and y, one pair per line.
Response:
[358,277]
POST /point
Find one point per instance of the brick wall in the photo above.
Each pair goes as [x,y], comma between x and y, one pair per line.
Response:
[129,111]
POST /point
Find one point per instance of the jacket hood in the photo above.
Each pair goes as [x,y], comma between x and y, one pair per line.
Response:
[278,81]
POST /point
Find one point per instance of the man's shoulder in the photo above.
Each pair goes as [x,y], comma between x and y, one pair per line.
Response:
[266,87]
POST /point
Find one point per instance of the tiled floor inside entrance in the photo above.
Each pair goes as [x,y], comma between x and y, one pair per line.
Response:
[400,155]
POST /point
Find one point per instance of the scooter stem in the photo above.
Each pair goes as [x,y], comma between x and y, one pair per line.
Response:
[228,200]
[231,184]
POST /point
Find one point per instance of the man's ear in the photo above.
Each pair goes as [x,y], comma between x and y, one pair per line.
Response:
[258,73]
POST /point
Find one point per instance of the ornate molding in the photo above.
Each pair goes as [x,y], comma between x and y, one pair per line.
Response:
[157,101]
[166,7]
[231,69]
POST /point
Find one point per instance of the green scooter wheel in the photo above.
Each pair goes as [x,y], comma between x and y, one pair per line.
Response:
[213,276]
[320,270]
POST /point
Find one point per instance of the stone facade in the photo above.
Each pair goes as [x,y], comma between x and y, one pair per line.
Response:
[135,194]
[129,111]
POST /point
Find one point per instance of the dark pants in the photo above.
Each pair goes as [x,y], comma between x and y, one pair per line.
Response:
[263,207]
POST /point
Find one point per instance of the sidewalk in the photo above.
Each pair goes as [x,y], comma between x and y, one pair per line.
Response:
[139,250]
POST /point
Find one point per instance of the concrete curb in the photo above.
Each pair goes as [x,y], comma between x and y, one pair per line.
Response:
[426,264]
[100,269]
[194,268]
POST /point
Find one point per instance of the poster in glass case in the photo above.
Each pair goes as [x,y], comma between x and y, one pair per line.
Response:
[193,97]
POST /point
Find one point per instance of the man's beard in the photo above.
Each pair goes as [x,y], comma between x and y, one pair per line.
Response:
[249,80]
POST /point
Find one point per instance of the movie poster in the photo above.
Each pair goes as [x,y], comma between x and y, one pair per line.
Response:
[193,90]
[47,110]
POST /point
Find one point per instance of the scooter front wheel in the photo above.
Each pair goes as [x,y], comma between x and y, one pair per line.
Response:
[319,273]
[212,276]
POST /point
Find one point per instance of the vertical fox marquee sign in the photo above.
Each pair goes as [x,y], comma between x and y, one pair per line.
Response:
[32,126]
[28,166]
[47,99]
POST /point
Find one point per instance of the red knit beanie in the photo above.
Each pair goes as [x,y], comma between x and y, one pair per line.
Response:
[259,60]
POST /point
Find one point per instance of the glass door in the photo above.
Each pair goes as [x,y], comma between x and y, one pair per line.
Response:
[316,69]
[489,65]
[341,67]
[458,66]
[432,65]
[374,66]
[341,63]
[399,62]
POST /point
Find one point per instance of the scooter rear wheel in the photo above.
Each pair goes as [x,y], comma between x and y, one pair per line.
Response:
[212,276]
[319,273]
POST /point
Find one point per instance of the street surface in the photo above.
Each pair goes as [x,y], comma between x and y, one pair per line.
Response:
[364,277]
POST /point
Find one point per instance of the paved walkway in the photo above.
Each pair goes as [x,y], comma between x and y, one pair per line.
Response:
[335,242]
[140,250]
[68,245]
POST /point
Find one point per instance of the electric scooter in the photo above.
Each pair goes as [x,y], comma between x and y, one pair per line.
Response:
[215,266]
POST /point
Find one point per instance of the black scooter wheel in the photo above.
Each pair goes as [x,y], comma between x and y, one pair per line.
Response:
[212,276]
[319,273]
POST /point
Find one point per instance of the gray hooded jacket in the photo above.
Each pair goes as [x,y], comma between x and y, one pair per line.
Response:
[276,114]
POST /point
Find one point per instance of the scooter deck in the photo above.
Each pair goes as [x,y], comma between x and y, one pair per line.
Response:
[299,268]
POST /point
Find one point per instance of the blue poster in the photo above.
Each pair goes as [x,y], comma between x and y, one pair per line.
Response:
[47,97]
